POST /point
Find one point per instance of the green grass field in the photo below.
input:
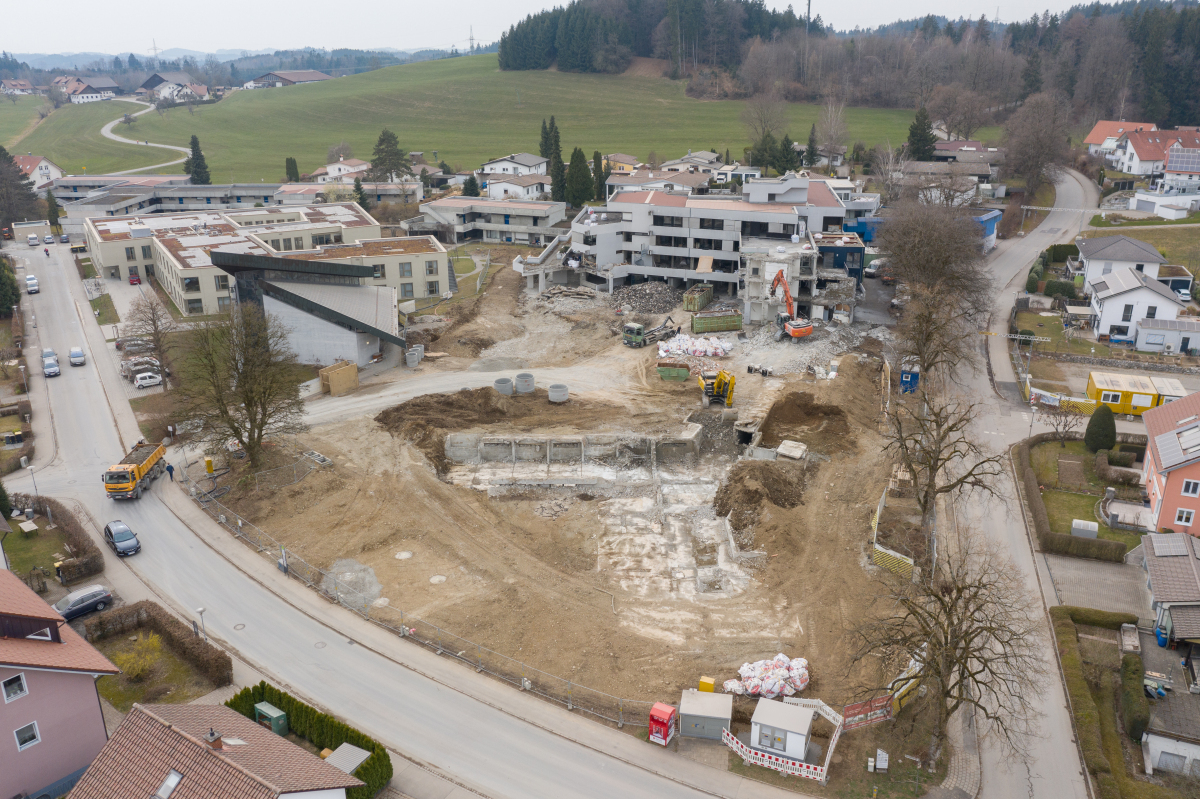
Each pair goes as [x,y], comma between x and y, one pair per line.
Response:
[464,108]
[15,118]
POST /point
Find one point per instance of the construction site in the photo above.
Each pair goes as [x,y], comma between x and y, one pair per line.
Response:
[632,538]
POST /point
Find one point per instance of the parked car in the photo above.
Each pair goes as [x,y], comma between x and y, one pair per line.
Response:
[32,241]
[65,239]
[49,353]
[124,341]
[49,239]
[85,600]
[1184,296]
[31,284]
[875,267]
[76,356]
[134,280]
[122,540]
[147,379]
[50,367]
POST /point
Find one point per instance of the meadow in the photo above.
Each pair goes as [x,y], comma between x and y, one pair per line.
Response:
[17,118]
[465,109]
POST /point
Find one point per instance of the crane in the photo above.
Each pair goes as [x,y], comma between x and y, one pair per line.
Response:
[789,323]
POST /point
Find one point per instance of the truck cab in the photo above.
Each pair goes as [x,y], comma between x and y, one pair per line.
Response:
[634,335]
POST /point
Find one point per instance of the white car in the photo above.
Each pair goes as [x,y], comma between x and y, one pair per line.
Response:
[49,239]
[31,284]
[77,357]
[1184,296]
[147,379]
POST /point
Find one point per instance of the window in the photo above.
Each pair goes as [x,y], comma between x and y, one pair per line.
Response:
[431,267]
[379,270]
[1113,397]
[771,738]
[506,220]
[406,290]
[712,224]
[15,688]
[130,254]
[222,305]
[222,282]
[322,238]
[27,736]
[1140,267]
[169,784]
[287,247]
[275,244]
[1191,488]
[299,242]
[405,270]
[668,221]
[191,284]
[1107,268]
[133,270]
[195,306]
[1151,312]
[431,289]
[208,200]
[41,635]
[146,252]
[1127,314]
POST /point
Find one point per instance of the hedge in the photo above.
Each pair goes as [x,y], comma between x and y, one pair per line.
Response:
[1121,458]
[87,559]
[1107,619]
[1060,252]
[324,732]
[1031,283]
[1083,707]
[1064,287]
[1109,475]
[215,665]
[1134,705]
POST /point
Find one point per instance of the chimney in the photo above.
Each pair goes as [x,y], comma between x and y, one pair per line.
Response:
[213,739]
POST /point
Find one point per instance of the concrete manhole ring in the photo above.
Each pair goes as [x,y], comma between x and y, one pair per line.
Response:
[319,644]
[239,626]
[404,555]
[437,579]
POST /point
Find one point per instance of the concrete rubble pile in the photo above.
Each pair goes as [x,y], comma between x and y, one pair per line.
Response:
[567,298]
[652,297]
[770,678]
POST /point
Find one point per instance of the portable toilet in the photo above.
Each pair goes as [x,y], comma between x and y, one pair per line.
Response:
[910,375]
[704,715]
[662,723]
[271,717]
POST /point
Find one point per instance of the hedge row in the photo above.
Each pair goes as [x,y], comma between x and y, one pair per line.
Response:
[1056,287]
[87,559]
[1123,459]
[1049,541]
[215,665]
[1060,252]
[324,732]
[1108,474]
[1134,705]
[1106,619]
[1087,716]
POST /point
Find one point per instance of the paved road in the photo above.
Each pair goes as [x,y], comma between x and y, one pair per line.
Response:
[107,132]
[493,739]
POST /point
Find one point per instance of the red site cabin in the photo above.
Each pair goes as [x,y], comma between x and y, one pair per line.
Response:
[662,723]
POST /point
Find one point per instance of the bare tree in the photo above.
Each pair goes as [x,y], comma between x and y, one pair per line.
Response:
[128,119]
[57,97]
[339,151]
[652,160]
[13,98]
[239,379]
[977,634]
[763,114]
[887,171]
[151,320]
[950,188]
[963,111]
[45,111]
[1036,138]
[941,337]
[831,128]
[1061,419]
[8,356]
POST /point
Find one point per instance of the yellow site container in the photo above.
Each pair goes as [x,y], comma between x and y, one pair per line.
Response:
[1130,394]
[708,684]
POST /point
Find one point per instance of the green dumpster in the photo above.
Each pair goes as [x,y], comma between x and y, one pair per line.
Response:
[271,717]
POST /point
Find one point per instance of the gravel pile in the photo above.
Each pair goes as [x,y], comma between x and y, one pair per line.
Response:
[652,298]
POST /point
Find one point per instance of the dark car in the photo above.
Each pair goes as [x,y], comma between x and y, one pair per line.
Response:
[123,540]
[85,600]
[64,238]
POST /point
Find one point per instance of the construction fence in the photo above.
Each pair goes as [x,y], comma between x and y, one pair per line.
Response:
[520,675]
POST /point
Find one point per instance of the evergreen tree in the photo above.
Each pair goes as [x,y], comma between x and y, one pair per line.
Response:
[292,169]
[1101,432]
[5,502]
[17,197]
[555,142]
[52,209]
[920,137]
[10,292]
[598,176]
[766,152]
[360,196]
[197,166]
[470,187]
[810,153]
[579,186]
[727,155]
[558,179]
[388,161]
[544,145]
[1031,76]
[787,159]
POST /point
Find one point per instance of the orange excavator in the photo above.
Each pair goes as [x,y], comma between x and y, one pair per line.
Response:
[789,324]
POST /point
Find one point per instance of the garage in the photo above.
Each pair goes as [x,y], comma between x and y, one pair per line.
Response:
[1145,205]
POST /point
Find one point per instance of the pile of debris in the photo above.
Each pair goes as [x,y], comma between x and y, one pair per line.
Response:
[567,298]
[652,297]
[770,678]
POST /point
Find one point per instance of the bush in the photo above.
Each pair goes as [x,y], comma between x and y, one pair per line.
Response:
[1134,706]
[1090,617]
[215,665]
[1031,284]
[1060,288]
[1110,475]
[1060,252]
[1083,707]
[87,559]
[324,732]
[137,664]
[1123,459]
[1101,432]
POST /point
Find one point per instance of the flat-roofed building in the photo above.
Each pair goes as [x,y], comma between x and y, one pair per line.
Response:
[457,219]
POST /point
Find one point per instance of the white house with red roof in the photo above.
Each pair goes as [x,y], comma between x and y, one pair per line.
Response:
[17,86]
[40,169]
[1103,138]
[1144,152]
[1182,170]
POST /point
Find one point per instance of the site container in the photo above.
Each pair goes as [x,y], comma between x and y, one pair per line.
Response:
[716,321]
[697,297]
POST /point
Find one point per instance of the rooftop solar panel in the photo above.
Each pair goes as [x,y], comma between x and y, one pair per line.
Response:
[1169,544]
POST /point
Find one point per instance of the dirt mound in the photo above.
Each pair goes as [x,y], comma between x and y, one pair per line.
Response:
[798,417]
[750,483]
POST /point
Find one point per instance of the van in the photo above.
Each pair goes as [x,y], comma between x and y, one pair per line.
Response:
[33,240]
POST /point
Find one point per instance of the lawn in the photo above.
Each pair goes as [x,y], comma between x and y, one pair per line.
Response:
[108,312]
[1098,221]
[170,679]
[1179,245]
[1044,459]
[464,108]
[85,268]
[43,549]
[1051,327]
[71,138]
[16,118]
[1062,507]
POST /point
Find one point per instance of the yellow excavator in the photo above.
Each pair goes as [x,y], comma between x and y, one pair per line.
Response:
[716,387]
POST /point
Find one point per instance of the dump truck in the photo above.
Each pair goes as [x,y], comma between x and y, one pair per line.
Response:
[636,335]
[698,296]
[135,472]
[717,321]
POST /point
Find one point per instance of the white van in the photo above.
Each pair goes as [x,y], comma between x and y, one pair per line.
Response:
[33,240]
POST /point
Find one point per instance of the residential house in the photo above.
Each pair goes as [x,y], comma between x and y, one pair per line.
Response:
[1105,254]
[39,169]
[621,162]
[658,180]
[1171,473]
[17,86]
[517,164]
[1143,152]
[518,187]
[1105,134]
[344,170]
[945,150]
[1182,169]
[705,162]
[1180,336]
[416,266]
[160,78]
[286,77]
[50,718]
[457,219]
[727,173]
[84,93]
[1171,742]
[203,752]
[1123,298]
[106,86]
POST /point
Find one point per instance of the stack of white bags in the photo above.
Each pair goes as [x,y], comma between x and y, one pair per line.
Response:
[704,346]
[770,678]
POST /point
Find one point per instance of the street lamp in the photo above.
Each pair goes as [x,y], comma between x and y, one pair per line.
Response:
[24,379]
[202,627]
[35,491]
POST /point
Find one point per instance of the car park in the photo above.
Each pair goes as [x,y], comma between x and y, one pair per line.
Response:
[49,239]
[50,367]
[64,238]
[122,540]
[84,600]
[76,356]
[147,379]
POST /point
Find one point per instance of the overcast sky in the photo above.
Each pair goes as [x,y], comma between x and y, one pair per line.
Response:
[237,24]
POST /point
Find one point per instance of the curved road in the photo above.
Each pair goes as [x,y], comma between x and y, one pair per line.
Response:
[107,132]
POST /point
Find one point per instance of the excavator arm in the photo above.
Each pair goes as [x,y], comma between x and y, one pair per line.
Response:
[780,280]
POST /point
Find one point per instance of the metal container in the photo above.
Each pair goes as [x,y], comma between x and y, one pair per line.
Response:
[558,392]
[504,385]
[524,383]
[717,321]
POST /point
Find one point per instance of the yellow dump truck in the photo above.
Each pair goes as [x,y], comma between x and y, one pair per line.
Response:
[135,471]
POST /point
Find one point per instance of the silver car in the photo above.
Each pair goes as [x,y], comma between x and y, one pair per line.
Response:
[50,367]
[76,356]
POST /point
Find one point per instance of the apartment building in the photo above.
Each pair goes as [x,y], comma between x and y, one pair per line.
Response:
[458,219]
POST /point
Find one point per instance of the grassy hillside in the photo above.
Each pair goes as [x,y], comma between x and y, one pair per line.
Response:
[70,137]
[464,108]
[16,118]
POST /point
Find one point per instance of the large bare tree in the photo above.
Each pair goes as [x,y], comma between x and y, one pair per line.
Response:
[1036,137]
[963,111]
[762,114]
[150,319]
[239,379]
[338,151]
[831,128]
[978,634]
[887,171]
[1062,419]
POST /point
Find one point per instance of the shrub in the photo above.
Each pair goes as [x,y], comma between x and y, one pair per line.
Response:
[1090,617]
[1031,284]
[1101,432]
[1060,252]
[323,731]
[1083,707]
[215,665]
[1057,288]
[137,664]
[1110,475]
[1134,706]
[1123,459]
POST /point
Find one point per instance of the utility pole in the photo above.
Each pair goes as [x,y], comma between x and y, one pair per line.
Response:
[472,50]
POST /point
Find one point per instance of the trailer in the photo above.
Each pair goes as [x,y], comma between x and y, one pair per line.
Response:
[697,297]
[717,321]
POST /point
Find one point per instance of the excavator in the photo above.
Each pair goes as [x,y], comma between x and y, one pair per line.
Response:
[789,323]
[716,387]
